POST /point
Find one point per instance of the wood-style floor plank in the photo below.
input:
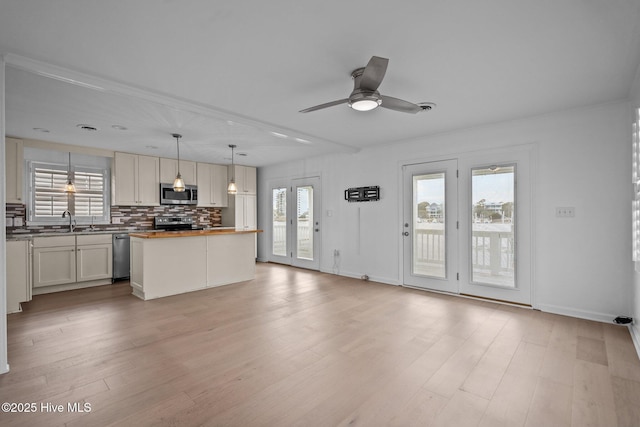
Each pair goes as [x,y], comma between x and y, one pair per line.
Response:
[301,348]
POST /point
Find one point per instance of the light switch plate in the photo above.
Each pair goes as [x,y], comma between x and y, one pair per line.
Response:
[18,222]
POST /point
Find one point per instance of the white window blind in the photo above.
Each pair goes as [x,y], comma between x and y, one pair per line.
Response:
[89,196]
[49,198]
[49,201]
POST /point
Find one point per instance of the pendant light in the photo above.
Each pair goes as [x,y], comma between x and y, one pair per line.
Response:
[178,183]
[232,189]
[69,187]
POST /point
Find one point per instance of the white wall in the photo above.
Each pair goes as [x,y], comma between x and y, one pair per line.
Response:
[581,265]
[635,296]
[4,365]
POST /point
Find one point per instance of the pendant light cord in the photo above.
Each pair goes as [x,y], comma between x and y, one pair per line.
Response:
[178,146]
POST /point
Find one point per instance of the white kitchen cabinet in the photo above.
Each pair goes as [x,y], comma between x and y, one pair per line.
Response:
[54,261]
[14,161]
[169,170]
[249,214]
[136,180]
[219,184]
[18,274]
[94,258]
[241,213]
[71,262]
[212,185]
[245,178]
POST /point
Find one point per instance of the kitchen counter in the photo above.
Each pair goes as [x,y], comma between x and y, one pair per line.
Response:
[189,233]
[174,262]
[27,236]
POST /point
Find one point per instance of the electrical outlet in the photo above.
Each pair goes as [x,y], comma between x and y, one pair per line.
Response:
[565,212]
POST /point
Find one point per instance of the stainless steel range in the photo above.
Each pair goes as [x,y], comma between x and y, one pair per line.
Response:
[174,223]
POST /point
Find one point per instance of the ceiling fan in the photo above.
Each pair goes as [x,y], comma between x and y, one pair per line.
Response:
[365,95]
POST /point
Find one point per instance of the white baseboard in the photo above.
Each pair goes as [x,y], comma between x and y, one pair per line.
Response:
[376,279]
[634,330]
[580,314]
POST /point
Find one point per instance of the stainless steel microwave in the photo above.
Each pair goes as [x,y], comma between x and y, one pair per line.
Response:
[170,197]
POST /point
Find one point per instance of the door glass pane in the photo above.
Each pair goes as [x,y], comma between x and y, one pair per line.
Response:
[279,205]
[304,222]
[493,225]
[429,251]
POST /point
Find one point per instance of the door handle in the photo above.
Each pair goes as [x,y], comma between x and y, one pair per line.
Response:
[406,233]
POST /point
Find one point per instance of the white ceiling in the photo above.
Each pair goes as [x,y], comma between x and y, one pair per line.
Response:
[233,72]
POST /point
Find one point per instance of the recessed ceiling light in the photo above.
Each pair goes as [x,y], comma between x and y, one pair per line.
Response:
[87,127]
[119,127]
[43,130]
[303,141]
[279,135]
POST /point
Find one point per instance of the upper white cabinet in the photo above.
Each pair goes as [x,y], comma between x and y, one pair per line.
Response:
[136,180]
[14,153]
[212,185]
[245,178]
[169,170]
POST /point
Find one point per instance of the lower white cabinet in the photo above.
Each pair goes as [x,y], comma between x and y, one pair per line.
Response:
[65,261]
[54,261]
[94,257]
[18,274]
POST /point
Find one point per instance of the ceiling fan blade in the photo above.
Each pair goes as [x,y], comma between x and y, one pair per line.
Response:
[373,73]
[399,105]
[326,105]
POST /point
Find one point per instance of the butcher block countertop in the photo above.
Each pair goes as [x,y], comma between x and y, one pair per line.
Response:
[188,233]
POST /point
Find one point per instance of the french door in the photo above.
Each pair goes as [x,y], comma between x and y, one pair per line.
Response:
[429,226]
[467,226]
[496,226]
[295,225]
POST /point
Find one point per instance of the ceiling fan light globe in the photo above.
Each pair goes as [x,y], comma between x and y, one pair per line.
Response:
[365,104]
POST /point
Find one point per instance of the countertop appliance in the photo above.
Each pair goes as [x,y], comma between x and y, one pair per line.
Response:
[170,197]
[174,223]
[121,251]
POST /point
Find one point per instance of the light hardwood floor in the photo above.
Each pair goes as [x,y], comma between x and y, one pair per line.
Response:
[302,348]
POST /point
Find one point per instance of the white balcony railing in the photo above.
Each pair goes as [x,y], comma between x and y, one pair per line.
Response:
[304,239]
[492,255]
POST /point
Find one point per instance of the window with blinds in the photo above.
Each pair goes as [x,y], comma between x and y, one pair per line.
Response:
[49,201]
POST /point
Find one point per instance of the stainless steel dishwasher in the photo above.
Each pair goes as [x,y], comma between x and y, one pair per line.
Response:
[120,256]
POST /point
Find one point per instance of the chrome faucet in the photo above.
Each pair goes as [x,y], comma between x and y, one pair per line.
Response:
[72,222]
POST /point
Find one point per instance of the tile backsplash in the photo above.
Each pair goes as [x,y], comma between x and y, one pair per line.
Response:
[122,218]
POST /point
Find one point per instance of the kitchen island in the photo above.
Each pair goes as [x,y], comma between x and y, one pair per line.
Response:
[174,262]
